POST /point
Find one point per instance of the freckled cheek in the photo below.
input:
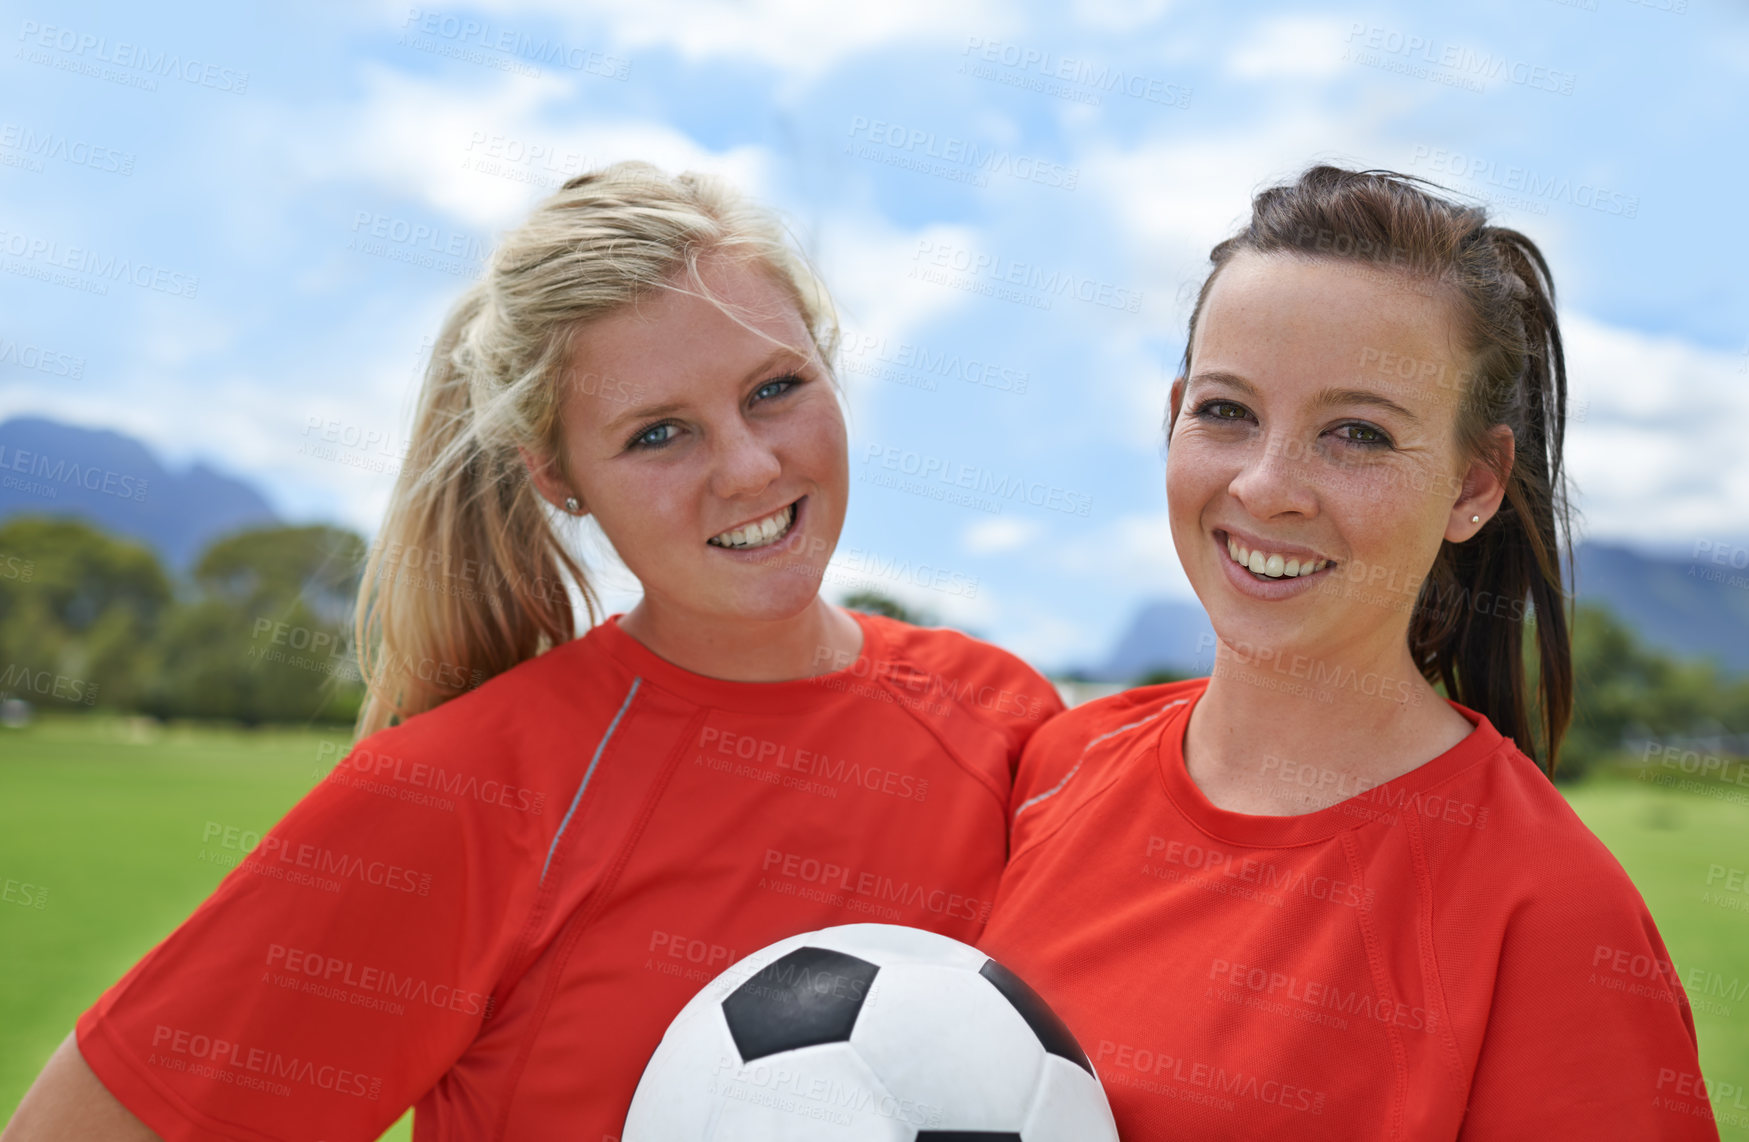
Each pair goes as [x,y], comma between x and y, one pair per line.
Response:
[1195,476]
[649,514]
[815,449]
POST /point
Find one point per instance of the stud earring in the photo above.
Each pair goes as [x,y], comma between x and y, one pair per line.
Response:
[571,504]
[1473,519]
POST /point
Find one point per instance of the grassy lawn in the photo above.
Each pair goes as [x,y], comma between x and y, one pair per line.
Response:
[1669,842]
[112,821]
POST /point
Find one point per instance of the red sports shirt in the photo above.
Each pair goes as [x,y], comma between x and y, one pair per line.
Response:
[494,909]
[1450,955]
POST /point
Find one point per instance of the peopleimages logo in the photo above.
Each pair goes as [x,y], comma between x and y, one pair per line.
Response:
[84,52]
[976,480]
[104,267]
[215,1057]
[1537,188]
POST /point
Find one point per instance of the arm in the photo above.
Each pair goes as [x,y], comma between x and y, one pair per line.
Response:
[68,1104]
[1589,1034]
[335,974]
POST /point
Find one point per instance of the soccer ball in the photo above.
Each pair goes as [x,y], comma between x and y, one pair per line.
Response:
[868,1033]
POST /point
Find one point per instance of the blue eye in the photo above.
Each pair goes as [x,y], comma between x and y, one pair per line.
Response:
[775,387]
[654,436]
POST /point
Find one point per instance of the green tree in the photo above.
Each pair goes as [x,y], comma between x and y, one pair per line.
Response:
[876,603]
[269,637]
[1622,687]
[79,604]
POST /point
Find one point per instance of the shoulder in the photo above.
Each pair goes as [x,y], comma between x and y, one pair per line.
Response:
[1506,839]
[1067,761]
[511,741]
[986,681]
[1104,719]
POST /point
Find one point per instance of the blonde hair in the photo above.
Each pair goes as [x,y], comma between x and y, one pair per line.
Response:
[464,503]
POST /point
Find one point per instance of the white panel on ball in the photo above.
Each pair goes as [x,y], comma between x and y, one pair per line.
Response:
[894,944]
[823,1092]
[943,1037]
[1069,1107]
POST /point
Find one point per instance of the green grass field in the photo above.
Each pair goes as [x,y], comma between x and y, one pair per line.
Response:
[106,823]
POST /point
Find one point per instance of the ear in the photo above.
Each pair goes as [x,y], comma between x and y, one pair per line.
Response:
[547,482]
[1176,402]
[1482,490]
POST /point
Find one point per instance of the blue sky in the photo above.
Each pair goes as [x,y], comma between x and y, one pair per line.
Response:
[293,199]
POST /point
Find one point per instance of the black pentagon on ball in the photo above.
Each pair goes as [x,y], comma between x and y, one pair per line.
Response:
[1051,1030]
[968,1136]
[808,997]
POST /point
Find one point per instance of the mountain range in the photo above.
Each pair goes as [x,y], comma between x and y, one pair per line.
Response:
[1696,607]
[116,482]
[1688,607]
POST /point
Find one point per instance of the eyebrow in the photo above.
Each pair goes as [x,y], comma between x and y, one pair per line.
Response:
[657,410]
[1325,398]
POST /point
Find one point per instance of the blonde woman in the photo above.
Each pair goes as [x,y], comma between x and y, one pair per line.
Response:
[498,900]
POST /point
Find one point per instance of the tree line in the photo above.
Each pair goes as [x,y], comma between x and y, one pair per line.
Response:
[259,631]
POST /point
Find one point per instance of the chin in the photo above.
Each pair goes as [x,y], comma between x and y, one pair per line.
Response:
[781,602]
[1249,627]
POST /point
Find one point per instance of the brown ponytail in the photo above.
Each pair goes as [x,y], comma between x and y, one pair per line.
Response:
[1516,376]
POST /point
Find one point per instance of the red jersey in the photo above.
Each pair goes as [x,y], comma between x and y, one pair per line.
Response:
[494,909]
[1451,954]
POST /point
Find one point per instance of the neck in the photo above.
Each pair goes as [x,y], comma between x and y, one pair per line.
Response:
[1290,734]
[817,640]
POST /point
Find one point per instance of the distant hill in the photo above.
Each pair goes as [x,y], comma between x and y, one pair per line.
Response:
[1685,607]
[1164,635]
[115,482]
[1694,608]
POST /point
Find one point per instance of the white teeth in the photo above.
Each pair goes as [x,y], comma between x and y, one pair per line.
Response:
[1272,566]
[759,532]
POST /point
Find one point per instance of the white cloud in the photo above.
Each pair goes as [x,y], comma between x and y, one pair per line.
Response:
[1176,196]
[481,153]
[801,38]
[1290,47]
[1119,15]
[1655,435]
[867,263]
[995,536]
[1170,198]
[950,596]
[1129,558]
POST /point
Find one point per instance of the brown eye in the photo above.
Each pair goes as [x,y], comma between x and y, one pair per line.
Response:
[1365,434]
[1222,410]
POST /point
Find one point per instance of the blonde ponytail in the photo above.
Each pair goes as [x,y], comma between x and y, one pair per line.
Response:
[468,576]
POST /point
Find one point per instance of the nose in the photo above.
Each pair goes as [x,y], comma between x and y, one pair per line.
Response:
[746,462]
[1276,479]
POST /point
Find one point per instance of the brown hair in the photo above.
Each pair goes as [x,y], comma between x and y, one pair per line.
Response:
[1504,298]
[464,503]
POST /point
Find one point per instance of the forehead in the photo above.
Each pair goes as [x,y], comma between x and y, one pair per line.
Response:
[673,339]
[1277,318]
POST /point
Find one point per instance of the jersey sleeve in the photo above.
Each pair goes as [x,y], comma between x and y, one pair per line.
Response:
[333,976]
[1589,1034]
[939,670]
[1061,761]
